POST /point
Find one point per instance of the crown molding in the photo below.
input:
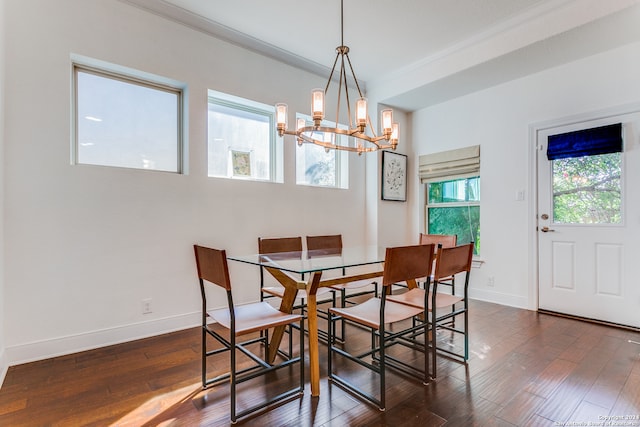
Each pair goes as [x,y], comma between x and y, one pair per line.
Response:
[215,29]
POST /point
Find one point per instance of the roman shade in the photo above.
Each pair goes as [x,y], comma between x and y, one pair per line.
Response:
[586,142]
[459,163]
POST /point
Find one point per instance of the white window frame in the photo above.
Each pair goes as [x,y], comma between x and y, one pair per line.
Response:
[275,150]
[113,72]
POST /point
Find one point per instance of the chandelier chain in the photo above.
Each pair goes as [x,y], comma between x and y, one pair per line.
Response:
[341,22]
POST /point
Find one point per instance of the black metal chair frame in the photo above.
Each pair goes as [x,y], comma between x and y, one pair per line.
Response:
[232,345]
[382,339]
[450,326]
[447,320]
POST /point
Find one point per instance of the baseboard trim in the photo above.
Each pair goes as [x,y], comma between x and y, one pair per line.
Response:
[34,351]
[590,320]
[499,298]
[4,366]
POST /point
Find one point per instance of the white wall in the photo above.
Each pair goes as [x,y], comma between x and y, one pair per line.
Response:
[396,222]
[498,119]
[3,361]
[87,244]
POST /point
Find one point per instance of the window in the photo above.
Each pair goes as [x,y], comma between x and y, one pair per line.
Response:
[587,166]
[452,181]
[242,139]
[587,190]
[320,167]
[453,207]
[127,122]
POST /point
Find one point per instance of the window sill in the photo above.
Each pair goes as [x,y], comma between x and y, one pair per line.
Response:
[477,262]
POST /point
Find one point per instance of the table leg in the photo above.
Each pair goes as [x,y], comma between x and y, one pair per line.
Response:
[312,318]
[286,305]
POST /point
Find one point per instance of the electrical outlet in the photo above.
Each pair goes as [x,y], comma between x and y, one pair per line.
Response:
[491,281]
[146,306]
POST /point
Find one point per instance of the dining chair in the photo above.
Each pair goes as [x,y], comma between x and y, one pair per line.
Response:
[446,241]
[320,244]
[284,246]
[239,321]
[383,318]
[332,245]
[448,263]
[290,248]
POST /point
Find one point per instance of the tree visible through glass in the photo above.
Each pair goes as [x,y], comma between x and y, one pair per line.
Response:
[587,190]
[454,208]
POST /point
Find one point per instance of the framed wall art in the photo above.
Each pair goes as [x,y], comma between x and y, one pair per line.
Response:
[241,162]
[394,176]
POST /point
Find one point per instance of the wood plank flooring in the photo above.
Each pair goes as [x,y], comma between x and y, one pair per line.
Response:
[526,369]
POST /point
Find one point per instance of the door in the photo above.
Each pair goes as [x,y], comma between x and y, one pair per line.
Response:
[589,227]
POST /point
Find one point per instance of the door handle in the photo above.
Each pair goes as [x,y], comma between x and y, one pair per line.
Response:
[546,229]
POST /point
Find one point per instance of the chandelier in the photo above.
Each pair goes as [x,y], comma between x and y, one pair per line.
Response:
[331,137]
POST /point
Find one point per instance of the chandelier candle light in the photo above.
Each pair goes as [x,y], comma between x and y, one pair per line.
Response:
[329,137]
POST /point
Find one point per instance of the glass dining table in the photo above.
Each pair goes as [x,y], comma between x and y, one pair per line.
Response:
[288,268]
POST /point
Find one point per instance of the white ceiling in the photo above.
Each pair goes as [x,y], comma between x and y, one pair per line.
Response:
[415,53]
[381,34]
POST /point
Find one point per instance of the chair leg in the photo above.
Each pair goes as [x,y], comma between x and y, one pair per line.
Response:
[434,338]
[453,307]
[382,369]
[204,356]
[426,352]
[291,341]
[330,341]
[343,303]
[301,361]
[466,332]
[232,374]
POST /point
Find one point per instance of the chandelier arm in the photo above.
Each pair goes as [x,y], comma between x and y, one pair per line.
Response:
[303,134]
[348,132]
[346,93]
[328,145]
[371,126]
[373,139]
[333,69]
[340,88]
[353,73]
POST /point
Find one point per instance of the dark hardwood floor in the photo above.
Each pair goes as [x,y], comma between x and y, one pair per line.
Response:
[526,369]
